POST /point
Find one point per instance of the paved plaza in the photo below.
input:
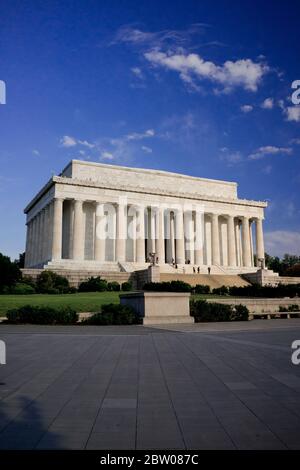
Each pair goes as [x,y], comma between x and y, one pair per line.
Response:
[203,386]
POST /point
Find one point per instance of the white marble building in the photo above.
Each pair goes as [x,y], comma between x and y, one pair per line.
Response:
[107,217]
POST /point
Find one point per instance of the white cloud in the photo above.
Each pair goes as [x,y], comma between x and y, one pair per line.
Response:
[246,108]
[244,72]
[85,143]
[170,38]
[295,141]
[137,72]
[268,103]
[267,170]
[146,149]
[262,152]
[290,209]
[280,242]
[140,136]
[68,141]
[36,152]
[117,148]
[292,113]
[232,158]
[107,156]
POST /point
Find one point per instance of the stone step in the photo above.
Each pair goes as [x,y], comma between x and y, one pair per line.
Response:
[130,267]
[212,280]
[165,320]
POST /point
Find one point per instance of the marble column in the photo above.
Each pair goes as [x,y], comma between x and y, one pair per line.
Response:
[189,233]
[38,238]
[132,234]
[179,237]
[251,243]
[28,245]
[78,231]
[140,234]
[215,245]
[50,231]
[199,237]
[160,241]
[100,232]
[169,235]
[246,242]
[45,233]
[152,245]
[121,233]
[33,251]
[57,229]
[260,250]
[231,241]
[41,236]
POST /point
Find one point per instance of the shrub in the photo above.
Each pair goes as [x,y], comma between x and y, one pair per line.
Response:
[42,315]
[241,313]
[223,290]
[294,308]
[93,284]
[114,314]
[255,290]
[29,280]
[113,286]
[172,286]
[126,286]
[48,282]
[53,291]
[22,288]
[72,290]
[10,273]
[204,311]
[293,270]
[201,289]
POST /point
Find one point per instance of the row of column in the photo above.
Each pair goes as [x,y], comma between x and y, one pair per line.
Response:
[39,237]
[45,232]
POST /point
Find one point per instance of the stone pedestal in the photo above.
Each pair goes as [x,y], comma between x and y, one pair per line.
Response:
[160,307]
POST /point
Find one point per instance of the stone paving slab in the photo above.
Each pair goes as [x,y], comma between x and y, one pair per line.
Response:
[216,386]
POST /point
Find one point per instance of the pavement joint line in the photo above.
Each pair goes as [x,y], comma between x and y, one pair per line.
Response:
[105,392]
[196,385]
[237,397]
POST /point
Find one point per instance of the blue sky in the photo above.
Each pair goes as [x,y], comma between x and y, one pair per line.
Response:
[197,87]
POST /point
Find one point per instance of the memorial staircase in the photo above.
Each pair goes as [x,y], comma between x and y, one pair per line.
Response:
[212,280]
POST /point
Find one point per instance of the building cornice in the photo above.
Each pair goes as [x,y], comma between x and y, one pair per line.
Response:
[138,190]
[158,192]
[148,171]
[39,195]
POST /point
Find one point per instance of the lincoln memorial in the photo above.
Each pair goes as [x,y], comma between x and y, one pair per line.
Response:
[105,217]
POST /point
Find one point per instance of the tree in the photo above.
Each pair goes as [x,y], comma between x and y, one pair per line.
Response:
[282,266]
[293,270]
[48,282]
[274,263]
[9,272]
[21,260]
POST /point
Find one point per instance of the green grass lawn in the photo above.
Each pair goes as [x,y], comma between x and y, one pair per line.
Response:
[82,302]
